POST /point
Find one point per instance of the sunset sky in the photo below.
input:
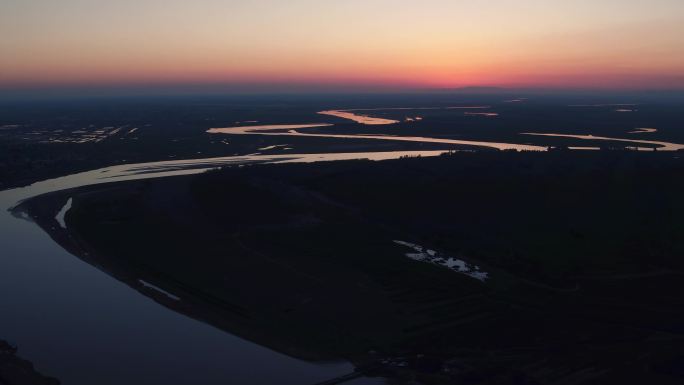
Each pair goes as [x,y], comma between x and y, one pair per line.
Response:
[387,44]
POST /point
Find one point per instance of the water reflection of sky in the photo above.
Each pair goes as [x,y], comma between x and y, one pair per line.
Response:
[369,120]
[78,324]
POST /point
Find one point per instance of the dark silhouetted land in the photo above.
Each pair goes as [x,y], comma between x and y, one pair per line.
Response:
[583,255]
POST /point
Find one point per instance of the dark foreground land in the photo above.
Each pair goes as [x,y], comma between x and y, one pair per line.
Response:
[584,254]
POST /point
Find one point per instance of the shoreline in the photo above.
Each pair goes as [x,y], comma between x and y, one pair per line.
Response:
[15,370]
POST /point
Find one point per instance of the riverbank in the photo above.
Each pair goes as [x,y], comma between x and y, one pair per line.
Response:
[302,258]
[17,371]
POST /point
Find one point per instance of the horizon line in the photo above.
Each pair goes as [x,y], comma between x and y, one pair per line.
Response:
[233,89]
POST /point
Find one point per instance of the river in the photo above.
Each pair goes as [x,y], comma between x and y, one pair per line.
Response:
[82,326]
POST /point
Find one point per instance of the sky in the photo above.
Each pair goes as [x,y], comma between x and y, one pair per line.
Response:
[368,44]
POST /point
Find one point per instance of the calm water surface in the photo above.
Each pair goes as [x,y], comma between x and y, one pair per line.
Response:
[78,324]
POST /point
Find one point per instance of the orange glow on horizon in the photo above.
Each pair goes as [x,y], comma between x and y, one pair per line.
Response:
[441,44]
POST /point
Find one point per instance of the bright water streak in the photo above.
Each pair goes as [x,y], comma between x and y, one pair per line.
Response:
[662,146]
[260,130]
